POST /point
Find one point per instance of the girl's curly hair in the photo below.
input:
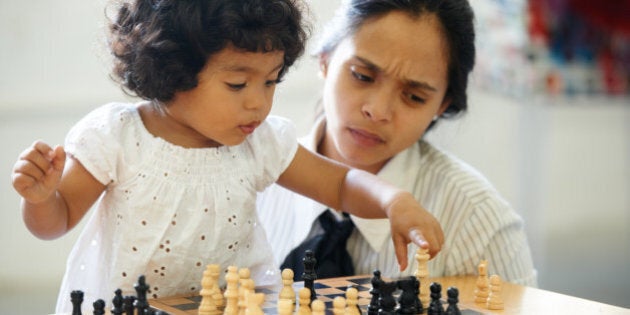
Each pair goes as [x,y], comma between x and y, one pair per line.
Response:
[160,46]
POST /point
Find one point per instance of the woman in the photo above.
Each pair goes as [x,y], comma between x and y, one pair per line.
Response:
[392,69]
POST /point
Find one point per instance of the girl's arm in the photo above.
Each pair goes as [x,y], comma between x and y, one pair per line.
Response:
[364,195]
[56,192]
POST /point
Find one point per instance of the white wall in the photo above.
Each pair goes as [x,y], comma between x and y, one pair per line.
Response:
[564,166]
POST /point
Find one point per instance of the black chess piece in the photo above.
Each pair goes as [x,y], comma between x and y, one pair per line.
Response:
[76,297]
[408,301]
[435,307]
[117,302]
[309,276]
[99,307]
[376,281]
[453,299]
[141,304]
[387,302]
[128,302]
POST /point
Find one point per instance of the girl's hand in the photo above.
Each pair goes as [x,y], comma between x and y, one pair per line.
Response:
[37,172]
[410,222]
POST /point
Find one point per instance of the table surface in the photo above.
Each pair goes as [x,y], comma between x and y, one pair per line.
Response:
[517,299]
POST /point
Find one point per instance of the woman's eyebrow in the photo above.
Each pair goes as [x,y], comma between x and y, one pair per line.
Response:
[415,84]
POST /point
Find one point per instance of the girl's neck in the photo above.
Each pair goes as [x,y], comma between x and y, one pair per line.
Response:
[161,124]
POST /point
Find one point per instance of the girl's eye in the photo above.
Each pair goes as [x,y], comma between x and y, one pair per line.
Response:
[236,86]
[273,82]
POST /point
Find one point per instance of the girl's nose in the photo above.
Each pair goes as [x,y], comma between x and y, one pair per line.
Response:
[378,107]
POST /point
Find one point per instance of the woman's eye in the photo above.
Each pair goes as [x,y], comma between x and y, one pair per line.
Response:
[273,82]
[416,99]
[236,86]
[361,77]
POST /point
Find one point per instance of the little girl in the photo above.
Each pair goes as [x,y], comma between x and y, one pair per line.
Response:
[174,177]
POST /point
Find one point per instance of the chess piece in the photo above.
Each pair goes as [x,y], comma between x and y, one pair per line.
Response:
[247,286]
[141,304]
[244,275]
[408,301]
[309,276]
[287,292]
[482,285]
[305,301]
[495,301]
[117,303]
[352,301]
[435,307]
[339,305]
[76,297]
[231,291]
[254,303]
[214,273]
[386,301]
[285,307]
[208,305]
[453,299]
[376,281]
[128,302]
[422,274]
[99,307]
[318,307]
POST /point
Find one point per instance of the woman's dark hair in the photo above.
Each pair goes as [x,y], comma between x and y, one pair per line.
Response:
[160,46]
[456,17]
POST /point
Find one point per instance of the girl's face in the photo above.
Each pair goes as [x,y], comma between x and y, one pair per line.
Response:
[233,97]
[383,87]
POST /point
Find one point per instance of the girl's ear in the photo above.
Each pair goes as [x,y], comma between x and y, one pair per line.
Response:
[445,104]
[323,65]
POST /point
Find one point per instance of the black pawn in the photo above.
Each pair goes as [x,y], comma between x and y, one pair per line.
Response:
[99,307]
[128,302]
[141,304]
[387,302]
[453,299]
[435,307]
[117,302]
[408,301]
[376,281]
[76,297]
[309,274]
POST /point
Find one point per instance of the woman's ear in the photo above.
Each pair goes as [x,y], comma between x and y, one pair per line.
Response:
[323,65]
[446,102]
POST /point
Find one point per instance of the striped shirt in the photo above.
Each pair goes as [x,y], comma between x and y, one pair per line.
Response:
[478,223]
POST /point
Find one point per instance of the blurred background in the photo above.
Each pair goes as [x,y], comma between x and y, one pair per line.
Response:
[549,125]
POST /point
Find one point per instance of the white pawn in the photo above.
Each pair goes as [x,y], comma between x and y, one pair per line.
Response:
[285,307]
[352,301]
[481,292]
[244,276]
[247,286]
[287,292]
[495,301]
[318,306]
[339,305]
[214,273]
[254,303]
[305,300]
[208,305]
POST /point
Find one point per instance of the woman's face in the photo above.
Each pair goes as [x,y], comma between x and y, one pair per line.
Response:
[383,87]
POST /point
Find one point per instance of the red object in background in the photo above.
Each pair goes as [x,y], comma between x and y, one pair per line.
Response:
[611,15]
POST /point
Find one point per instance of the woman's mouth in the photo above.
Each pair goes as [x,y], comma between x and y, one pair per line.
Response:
[365,138]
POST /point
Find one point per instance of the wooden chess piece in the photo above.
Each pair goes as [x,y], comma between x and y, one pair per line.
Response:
[244,275]
[247,286]
[376,281]
[231,291]
[309,276]
[318,307]
[208,305]
[435,307]
[352,301]
[285,307]
[287,292]
[117,303]
[305,301]
[99,307]
[482,285]
[422,274]
[453,299]
[76,297]
[141,304]
[339,305]
[254,303]
[495,301]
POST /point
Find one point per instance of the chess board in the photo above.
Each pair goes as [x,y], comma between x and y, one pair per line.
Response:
[326,289]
